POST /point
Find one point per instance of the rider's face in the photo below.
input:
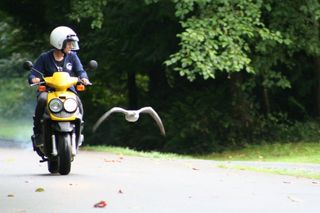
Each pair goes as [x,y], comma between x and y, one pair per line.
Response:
[68,47]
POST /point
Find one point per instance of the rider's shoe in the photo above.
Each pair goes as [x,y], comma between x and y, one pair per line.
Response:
[36,142]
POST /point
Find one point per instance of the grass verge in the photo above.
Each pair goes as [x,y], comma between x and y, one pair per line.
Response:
[131,152]
[295,173]
[277,152]
[17,130]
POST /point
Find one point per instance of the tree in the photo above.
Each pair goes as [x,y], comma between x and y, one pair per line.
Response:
[232,67]
[141,36]
[298,22]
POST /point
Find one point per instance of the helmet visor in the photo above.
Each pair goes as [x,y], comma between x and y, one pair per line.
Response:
[74,45]
[74,41]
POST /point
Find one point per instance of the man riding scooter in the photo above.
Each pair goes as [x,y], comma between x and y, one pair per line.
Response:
[60,59]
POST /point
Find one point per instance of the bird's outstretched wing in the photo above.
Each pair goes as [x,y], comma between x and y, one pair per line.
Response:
[105,115]
[155,116]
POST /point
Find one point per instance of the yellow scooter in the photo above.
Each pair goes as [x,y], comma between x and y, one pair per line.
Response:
[62,122]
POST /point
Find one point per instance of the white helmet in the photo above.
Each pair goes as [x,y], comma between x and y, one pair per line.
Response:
[60,35]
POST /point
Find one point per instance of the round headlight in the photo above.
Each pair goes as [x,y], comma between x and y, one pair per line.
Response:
[70,105]
[55,105]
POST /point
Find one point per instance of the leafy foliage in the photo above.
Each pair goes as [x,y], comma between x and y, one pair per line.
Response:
[16,102]
[88,9]
[217,37]
[220,73]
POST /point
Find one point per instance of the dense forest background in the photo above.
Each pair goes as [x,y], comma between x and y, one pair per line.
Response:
[220,73]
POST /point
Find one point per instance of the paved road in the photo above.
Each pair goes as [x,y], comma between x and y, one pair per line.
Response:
[142,185]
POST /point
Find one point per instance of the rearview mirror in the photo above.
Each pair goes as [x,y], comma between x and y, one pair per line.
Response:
[93,65]
[27,65]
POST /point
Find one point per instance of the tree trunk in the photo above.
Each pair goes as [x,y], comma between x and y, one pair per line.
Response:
[241,105]
[317,76]
[266,100]
[317,67]
[158,85]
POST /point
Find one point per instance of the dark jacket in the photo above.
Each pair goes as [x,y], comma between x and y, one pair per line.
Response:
[47,65]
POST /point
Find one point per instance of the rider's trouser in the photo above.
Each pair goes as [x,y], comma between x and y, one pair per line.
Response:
[41,105]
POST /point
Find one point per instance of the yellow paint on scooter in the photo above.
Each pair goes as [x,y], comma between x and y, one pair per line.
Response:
[61,81]
[59,94]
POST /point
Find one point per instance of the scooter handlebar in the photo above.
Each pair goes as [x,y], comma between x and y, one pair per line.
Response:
[36,84]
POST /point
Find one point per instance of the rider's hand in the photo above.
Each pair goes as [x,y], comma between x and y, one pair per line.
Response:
[85,81]
[35,80]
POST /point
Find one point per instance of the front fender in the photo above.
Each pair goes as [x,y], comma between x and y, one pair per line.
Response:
[63,126]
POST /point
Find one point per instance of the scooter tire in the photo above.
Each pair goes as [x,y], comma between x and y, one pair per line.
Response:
[64,153]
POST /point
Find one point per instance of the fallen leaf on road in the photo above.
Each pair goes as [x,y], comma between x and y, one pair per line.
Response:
[40,189]
[112,161]
[10,160]
[101,204]
[293,199]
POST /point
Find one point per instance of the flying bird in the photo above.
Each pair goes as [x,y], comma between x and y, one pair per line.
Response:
[131,116]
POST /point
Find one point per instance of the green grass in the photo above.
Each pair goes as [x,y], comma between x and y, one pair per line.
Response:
[130,152]
[19,130]
[295,173]
[277,152]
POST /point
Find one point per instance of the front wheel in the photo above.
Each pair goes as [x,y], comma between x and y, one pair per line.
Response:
[64,153]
